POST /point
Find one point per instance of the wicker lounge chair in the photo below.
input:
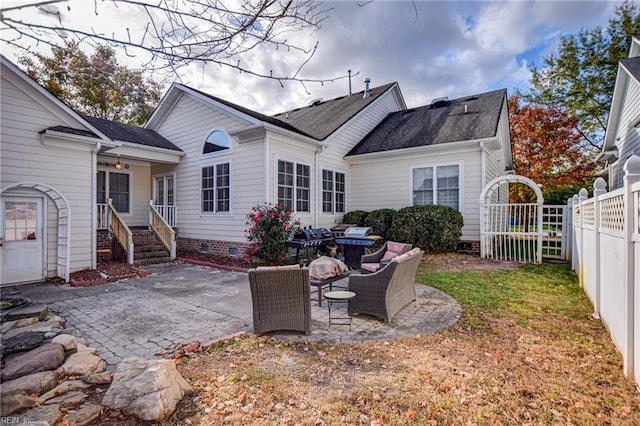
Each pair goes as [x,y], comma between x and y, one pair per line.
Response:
[281,299]
[376,260]
[385,292]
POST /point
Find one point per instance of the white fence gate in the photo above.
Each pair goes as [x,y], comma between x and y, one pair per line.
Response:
[510,231]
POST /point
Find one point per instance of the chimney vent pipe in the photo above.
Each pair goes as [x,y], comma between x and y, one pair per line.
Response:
[367,93]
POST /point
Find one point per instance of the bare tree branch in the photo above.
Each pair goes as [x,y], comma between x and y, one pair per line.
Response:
[170,34]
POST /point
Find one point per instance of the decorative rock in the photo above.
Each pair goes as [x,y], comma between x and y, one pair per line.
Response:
[82,364]
[36,310]
[37,383]
[41,327]
[15,403]
[81,347]
[62,388]
[69,399]
[22,343]
[12,301]
[47,357]
[84,415]
[147,389]
[27,321]
[103,378]
[67,341]
[45,413]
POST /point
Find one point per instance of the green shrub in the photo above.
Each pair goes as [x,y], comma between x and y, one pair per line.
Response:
[380,222]
[356,217]
[432,228]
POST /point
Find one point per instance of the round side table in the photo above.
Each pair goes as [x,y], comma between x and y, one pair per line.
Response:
[339,297]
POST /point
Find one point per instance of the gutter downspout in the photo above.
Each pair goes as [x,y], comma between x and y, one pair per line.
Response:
[318,193]
[94,219]
[266,168]
[483,165]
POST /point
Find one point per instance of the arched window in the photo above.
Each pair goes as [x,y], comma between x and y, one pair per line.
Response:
[216,141]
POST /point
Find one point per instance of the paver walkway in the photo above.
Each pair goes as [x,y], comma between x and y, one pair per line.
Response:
[180,303]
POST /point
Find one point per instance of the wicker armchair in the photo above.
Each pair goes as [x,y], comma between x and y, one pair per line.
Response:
[280,298]
[378,259]
[385,292]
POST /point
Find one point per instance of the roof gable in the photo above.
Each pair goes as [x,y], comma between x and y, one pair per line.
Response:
[321,119]
[462,119]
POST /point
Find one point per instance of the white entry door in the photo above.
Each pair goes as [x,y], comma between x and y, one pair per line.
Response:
[164,198]
[22,250]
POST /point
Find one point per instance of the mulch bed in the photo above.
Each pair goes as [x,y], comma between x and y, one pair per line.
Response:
[106,272]
[226,263]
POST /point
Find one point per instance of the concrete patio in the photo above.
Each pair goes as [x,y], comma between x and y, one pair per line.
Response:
[180,303]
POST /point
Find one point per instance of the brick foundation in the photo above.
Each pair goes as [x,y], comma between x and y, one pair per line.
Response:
[216,247]
[472,247]
[103,246]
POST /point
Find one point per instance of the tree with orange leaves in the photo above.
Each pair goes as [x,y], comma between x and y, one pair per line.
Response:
[548,149]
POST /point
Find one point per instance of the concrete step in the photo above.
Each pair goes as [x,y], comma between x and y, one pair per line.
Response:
[150,254]
[151,261]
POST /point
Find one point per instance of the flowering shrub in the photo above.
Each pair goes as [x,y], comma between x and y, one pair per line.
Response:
[270,226]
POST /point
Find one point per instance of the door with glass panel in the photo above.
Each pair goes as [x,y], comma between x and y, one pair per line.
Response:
[164,198]
[22,245]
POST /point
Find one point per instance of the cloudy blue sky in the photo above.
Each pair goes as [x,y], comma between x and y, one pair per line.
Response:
[431,48]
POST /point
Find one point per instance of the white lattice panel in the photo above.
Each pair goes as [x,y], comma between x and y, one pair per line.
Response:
[588,213]
[612,213]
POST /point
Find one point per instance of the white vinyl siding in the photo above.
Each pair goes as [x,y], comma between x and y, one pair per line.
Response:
[23,158]
[627,135]
[187,125]
[391,176]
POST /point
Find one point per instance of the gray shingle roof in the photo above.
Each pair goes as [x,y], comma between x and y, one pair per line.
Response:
[427,125]
[72,131]
[633,66]
[321,120]
[133,134]
[251,113]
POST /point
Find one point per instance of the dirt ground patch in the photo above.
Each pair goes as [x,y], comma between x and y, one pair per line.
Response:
[464,262]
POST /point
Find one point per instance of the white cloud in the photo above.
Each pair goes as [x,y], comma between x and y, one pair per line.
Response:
[432,48]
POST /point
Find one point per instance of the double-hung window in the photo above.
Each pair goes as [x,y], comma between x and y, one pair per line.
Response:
[437,185]
[294,182]
[116,186]
[333,191]
[216,185]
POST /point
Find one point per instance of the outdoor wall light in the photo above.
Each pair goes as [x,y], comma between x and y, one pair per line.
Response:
[117,166]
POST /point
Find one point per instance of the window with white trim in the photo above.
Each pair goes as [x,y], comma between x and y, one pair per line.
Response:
[437,185]
[294,185]
[116,186]
[216,185]
[333,191]
[216,141]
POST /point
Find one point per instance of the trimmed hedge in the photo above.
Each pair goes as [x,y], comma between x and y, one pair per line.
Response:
[356,217]
[380,222]
[432,228]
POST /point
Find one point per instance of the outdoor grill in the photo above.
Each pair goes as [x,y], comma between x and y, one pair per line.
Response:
[355,239]
[308,238]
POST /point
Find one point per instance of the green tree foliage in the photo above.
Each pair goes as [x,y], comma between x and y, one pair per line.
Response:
[580,77]
[380,222]
[95,85]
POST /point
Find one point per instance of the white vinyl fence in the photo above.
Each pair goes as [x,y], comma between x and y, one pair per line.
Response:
[605,253]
